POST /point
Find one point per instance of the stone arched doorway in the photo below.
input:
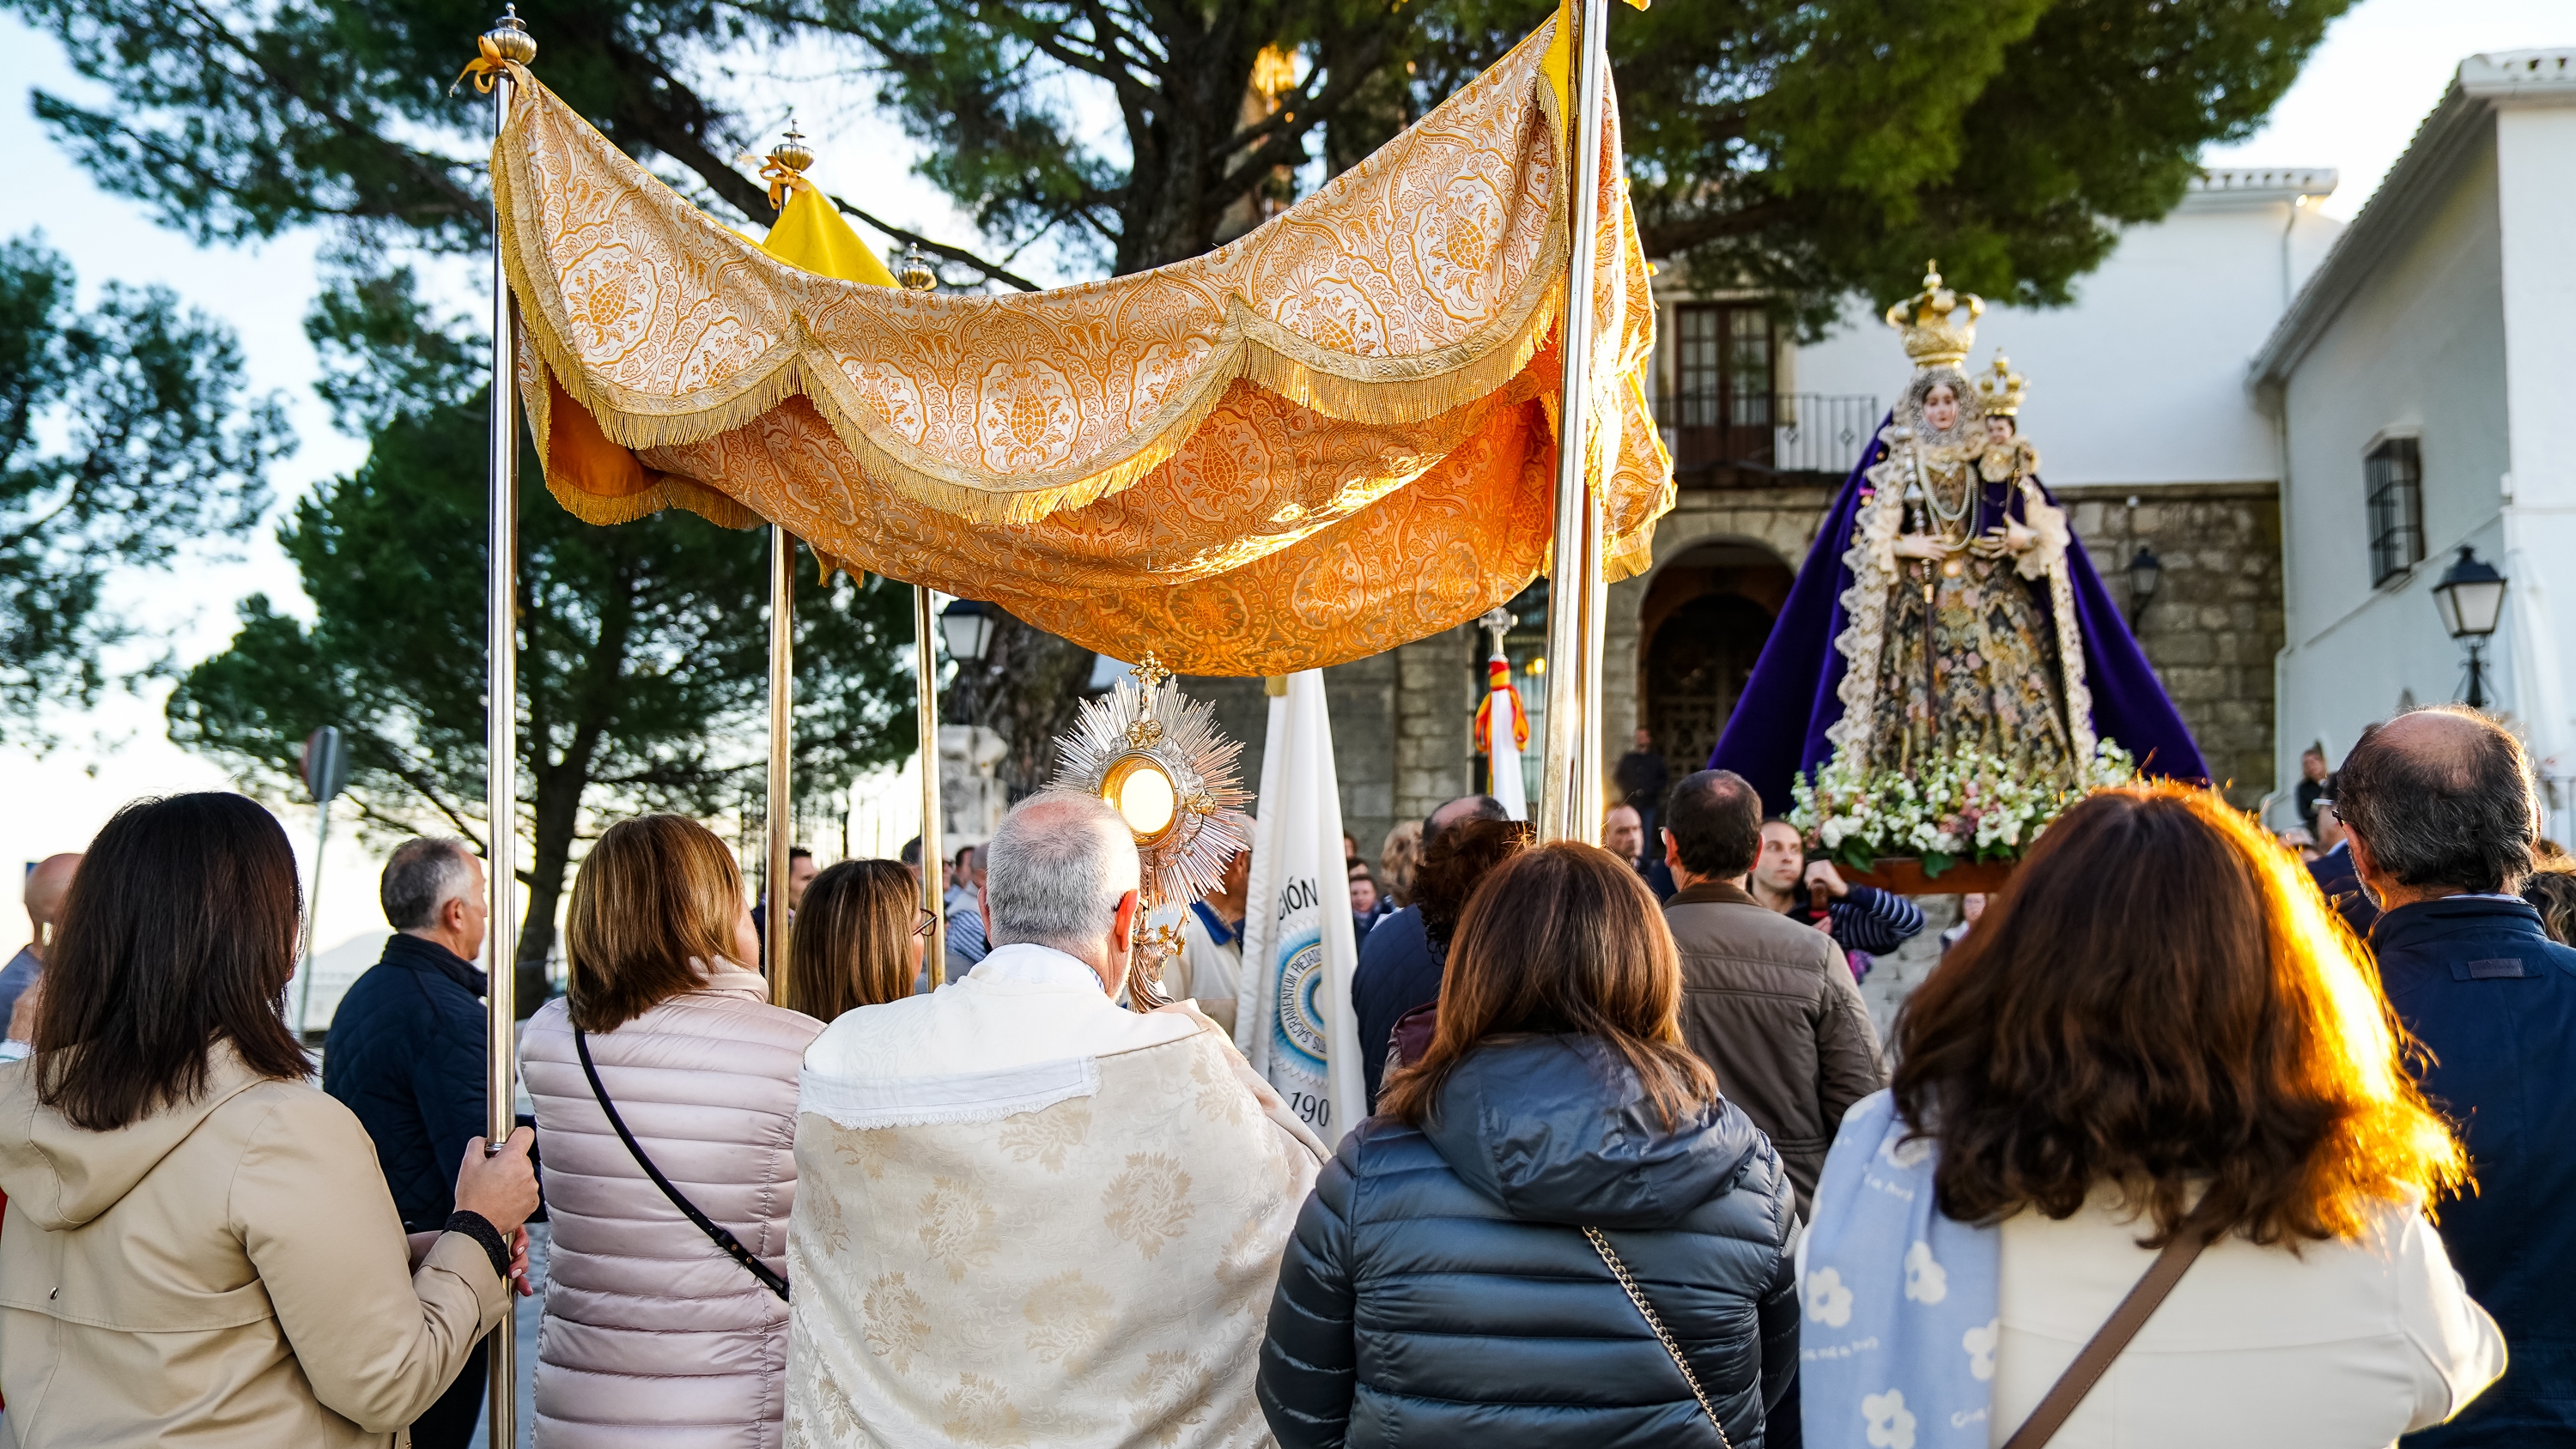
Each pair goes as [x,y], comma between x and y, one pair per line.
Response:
[1705,617]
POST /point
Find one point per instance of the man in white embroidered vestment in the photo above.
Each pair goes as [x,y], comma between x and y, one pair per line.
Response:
[1025,1216]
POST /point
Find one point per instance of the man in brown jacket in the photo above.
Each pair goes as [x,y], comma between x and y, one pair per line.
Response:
[1766,1001]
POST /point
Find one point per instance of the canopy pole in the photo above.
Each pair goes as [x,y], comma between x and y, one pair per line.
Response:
[509,39]
[1571,789]
[776,923]
[1590,800]
[934,896]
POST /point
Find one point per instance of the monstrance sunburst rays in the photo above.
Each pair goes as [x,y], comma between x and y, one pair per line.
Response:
[1159,759]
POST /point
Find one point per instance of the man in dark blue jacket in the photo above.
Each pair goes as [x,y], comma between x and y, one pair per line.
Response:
[2440,811]
[406,1054]
[2333,871]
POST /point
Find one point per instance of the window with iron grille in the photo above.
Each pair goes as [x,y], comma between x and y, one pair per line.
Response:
[2394,472]
[1722,378]
[1723,366]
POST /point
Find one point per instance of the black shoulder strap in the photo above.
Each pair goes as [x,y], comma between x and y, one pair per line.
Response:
[731,1245]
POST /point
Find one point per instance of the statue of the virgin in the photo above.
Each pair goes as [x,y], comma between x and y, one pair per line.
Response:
[1949,648]
[1946,609]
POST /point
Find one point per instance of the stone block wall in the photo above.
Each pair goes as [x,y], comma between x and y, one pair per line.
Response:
[1437,680]
[1399,730]
[1893,977]
[2215,624]
[1782,520]
[1361,696]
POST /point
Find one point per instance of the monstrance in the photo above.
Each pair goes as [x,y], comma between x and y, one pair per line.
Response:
[1159,759]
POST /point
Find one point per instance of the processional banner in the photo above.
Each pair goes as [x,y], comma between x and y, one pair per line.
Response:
[1332,436]
[1294,1018]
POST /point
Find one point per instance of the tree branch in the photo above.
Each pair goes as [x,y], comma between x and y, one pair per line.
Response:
[1285,142]
[1131,91]
[959,255]
[437,177]
[1672,238]
[751,198]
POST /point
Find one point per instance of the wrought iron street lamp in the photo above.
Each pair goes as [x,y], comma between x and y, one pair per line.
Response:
[2471,598]
[967,625]
[2146,572]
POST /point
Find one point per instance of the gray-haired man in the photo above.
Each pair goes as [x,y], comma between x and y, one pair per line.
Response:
[1013,1192]
[406,1054]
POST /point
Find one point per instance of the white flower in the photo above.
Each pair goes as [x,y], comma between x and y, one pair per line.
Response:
[1925,1280]
[1891,1426]
[1828,1301]
[1980,1344]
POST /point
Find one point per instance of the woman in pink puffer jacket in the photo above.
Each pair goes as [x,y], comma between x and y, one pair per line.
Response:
[652,1335]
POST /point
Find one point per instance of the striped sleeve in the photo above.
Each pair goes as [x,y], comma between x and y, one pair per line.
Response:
[1873,920]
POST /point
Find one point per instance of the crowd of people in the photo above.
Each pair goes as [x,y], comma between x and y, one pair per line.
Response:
[2173,1146]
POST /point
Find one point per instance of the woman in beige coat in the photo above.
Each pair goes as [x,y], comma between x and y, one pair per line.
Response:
[199,1249]
[652,1333]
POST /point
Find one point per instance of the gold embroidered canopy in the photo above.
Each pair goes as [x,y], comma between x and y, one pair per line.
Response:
[1329,437]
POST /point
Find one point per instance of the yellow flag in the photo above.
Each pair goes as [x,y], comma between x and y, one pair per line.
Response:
[1558,66]
[812,234]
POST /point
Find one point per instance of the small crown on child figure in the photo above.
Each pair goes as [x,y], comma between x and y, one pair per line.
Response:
[2000,389]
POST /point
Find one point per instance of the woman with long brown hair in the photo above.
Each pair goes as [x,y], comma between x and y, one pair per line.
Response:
[2157,1064]
[857,939]
[665,1087]
[200,1247]
[1556,1232]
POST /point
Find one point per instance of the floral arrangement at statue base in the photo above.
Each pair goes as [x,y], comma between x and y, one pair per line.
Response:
[1968,806]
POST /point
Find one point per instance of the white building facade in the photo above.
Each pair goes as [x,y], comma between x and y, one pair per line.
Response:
[2141,382]
[2422,383]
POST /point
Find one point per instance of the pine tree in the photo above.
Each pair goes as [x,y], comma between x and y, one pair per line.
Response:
[643,647]
[126,435]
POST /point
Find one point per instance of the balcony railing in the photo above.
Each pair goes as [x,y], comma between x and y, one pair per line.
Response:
[1748,440]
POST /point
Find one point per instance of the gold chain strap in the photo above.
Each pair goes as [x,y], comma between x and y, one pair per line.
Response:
[1628,1285]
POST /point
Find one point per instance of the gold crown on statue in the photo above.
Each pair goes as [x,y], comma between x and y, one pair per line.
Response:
[1999,389]
[1937,335]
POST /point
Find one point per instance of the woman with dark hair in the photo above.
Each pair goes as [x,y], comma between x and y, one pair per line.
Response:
[1400,975]
[200,1248]
[1556,1232]
[665,1086]
[2551,890]
[1456,864]
[858,938]
[1399,859]
[2155,1078]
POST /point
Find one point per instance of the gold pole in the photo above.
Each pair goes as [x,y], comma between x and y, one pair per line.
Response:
[782,703]
[1570,787]
[925,675]
[509,39]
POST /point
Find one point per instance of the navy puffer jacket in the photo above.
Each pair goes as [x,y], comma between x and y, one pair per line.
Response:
[1438,1290]
[407,1054]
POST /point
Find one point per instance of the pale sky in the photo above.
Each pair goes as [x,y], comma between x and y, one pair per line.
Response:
[2381,69]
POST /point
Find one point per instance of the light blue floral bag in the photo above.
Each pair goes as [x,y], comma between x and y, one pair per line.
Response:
[1897,1349]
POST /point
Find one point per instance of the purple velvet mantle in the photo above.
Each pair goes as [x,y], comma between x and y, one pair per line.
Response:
[1779,722]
